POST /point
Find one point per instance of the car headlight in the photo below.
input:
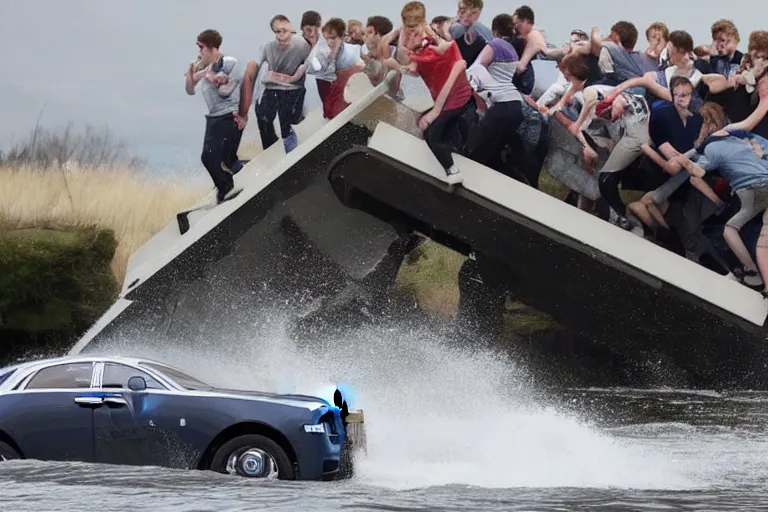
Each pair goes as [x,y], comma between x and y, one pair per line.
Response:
[315,429]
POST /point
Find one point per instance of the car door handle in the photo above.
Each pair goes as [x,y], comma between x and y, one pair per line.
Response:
[115,400]
[84,401]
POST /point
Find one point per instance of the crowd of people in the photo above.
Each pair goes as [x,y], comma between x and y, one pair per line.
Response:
[669,143]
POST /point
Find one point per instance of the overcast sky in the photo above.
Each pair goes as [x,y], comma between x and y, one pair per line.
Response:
[123,63]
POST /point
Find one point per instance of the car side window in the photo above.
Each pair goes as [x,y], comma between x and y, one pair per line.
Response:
[63,376]
[117,376]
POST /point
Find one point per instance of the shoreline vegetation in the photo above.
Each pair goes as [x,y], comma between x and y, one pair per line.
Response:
[57,210]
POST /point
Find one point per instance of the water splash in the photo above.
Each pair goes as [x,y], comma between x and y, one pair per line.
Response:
[436,414]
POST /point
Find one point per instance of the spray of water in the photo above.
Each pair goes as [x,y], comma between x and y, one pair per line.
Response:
[435,414]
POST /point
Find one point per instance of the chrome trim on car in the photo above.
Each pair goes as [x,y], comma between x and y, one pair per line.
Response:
[89,400]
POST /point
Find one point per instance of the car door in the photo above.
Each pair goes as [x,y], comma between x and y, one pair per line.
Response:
[124,431]
[51,414]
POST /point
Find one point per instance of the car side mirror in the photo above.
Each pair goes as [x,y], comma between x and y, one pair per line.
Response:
[137,384]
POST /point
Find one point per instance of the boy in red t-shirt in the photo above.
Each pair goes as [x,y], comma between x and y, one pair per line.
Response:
[440,65]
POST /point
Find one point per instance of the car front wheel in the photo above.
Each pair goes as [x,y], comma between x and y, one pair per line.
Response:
[7,453]
[253,456]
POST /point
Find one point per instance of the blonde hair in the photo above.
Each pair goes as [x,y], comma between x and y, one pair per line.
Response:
[726,26]
[414,14]
[758,41]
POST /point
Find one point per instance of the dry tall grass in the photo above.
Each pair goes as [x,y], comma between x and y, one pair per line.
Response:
[124,200]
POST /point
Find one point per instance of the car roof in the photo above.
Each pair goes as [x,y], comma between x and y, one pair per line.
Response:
[133,361]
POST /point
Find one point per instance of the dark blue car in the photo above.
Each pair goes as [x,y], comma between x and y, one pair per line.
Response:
[119,410]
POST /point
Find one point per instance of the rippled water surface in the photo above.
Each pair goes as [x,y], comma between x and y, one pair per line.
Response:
[448,429]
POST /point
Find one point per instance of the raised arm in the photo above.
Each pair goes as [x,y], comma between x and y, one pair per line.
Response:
[648,81]
[596,42]
[192,77]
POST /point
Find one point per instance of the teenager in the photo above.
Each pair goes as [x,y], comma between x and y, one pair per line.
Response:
[345,60]
[284,90]
[617,57]
[498,128]
[378,58]
[746,91]
[735,158]
[468,19]
[441,67]
[354,32]
[311,29]
[220,78]
[656,83]
[725,58]
[625,118]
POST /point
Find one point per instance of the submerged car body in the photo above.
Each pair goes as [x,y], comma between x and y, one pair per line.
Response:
[120,410]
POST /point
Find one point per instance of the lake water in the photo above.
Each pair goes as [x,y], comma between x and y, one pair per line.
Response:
[449,428]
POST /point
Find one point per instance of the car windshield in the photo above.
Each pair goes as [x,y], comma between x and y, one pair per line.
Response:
[181,378]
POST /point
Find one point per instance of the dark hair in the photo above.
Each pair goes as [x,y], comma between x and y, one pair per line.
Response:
[576,66]
[682,40]
[311,18]
[278,17]
[679,80]
[210,38]
[336,25]
[437,20]
[524,13]
[582,35]
[504,26]
[627,32]
[381,24]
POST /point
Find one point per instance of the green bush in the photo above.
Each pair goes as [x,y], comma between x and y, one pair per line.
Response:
[52,280]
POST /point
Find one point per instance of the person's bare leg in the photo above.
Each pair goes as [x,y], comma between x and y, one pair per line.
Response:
[640,211]
[657,211]
[762,252]
[736,245]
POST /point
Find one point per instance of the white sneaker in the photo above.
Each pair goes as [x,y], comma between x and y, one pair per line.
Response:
[453,175]
[753,279]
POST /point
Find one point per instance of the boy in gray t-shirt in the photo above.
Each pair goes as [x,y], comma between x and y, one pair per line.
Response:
[220,79]
[284,90]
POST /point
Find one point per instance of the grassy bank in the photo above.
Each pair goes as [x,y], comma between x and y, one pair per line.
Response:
[122,200]
[54,283]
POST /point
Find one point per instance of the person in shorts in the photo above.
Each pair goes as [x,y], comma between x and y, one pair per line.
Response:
[735,159]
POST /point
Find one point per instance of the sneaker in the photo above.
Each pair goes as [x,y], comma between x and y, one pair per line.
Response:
[453,175]
[290,142]
[752,279]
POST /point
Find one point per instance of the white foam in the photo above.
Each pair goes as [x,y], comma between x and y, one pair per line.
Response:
[435,415]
